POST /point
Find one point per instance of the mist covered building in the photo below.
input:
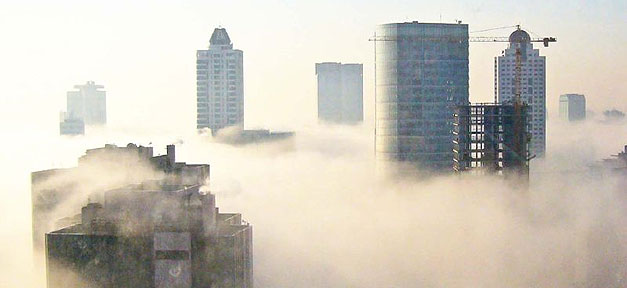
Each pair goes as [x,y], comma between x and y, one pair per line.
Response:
[86,106]
[340,92]
[71,126]
[533,85]
[572,107]
[421,75]
[252,136]
[152,235]
[59,193]
[219,84]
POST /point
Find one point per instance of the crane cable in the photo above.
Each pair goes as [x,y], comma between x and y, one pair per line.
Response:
[490,29]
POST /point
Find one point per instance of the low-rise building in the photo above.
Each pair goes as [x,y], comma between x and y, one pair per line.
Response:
[59,193]
[152,235]
[72,126]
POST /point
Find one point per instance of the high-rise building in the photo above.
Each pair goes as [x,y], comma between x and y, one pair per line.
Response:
[152,234]
[340,92]
[219,84]
[532,85]
[421,75]
[89,104]
[572,107]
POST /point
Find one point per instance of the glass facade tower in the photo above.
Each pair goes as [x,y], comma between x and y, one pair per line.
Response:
[421,75]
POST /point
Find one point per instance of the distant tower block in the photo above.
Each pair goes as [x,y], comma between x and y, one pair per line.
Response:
[340,92]
[87,106]
[572,107]
[219,84]
[89,103]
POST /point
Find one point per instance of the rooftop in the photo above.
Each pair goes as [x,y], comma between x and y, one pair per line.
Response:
[220,37]
[519,36]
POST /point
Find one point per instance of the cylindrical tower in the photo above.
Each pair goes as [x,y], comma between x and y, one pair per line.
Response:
[421,75]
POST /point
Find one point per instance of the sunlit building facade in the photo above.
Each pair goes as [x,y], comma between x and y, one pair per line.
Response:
[421,75]
[219,84]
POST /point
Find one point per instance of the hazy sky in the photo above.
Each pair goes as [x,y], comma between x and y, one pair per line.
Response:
[144,52]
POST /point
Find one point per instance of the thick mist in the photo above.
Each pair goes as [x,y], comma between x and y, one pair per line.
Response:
[323,218]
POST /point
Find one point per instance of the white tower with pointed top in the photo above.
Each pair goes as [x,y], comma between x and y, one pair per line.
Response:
[219,84]
[532,84]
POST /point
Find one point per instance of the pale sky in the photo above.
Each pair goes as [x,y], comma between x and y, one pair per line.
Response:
[144,53]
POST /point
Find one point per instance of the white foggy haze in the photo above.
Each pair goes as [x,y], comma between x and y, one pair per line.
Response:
[321,215]
[322,218]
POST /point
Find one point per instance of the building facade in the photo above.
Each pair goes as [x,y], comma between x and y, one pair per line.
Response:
[89,104]
[340,92]
[71,126]
[421,75]
[152,235]
[572,107]
[491,139]
[57,192]
[219,84]
[532,85]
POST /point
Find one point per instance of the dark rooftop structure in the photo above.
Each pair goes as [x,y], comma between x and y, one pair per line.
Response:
[152,234]
[243,137]
[220,38]
[55,191]
[519,36]
[618,162]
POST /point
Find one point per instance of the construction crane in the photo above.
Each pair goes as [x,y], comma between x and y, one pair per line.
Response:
[520,138]
[523,38]
[484,39]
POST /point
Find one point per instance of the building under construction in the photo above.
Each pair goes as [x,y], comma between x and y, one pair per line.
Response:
[491,139]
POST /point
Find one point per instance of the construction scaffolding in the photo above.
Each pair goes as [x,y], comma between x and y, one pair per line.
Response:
[491,138]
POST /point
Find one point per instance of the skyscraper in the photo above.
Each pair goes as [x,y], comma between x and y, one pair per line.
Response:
[89,104]
[340,92]
[219,84]
[421,75]
[572,107]
[532,85]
